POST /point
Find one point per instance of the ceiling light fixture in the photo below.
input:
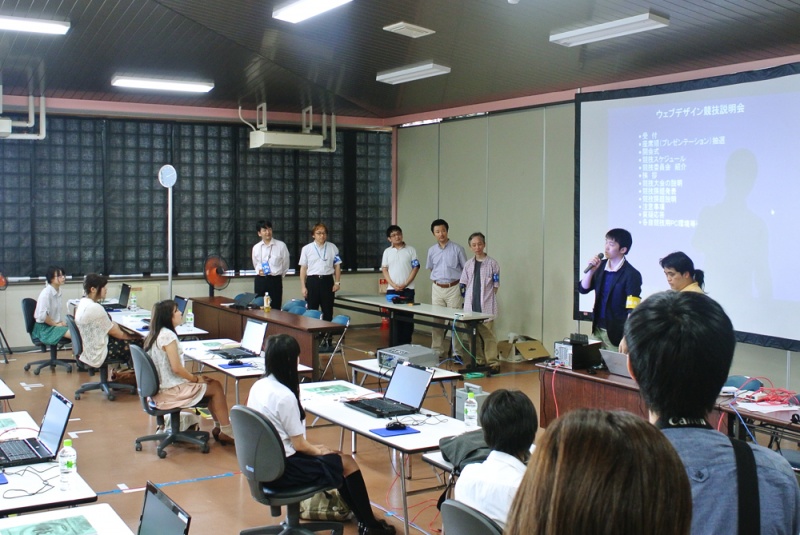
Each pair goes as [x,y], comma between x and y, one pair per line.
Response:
[20,24]
[409,73]
[610,30]
[162,84]
[300,10]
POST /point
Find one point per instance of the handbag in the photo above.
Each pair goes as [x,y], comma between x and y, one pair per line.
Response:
[325,505]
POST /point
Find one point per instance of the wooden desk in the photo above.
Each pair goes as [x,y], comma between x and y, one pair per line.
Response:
[775,424]
[102,518]
[577,389]
[221,321]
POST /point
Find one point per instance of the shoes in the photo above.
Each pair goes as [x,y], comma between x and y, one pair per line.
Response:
[221,437]
[494,369]
[381,528]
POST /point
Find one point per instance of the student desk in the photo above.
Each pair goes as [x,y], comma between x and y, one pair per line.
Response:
[199,352]
[134,321]
[372,368]
[327,406]
[102,517]
[221,321]
[33,487]
[6,394]
[776,424]
[374,303]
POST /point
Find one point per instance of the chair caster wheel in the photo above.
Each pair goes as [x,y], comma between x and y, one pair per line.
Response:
[204,448]
[27,367]
[111,397]
[36,372]
[77,396]
[162,454]
[138,446]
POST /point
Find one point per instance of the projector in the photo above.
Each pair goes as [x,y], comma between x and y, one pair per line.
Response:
[577,356]
[388,357]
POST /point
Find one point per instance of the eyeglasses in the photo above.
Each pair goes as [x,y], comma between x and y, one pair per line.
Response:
[396,235]
[320,233]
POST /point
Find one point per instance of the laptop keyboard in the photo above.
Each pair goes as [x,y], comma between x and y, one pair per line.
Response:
[378,403]
[15,450]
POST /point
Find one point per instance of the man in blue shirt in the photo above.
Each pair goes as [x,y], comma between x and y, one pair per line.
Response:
[446,261]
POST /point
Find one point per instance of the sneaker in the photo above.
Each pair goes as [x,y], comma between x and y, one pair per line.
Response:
[381,528]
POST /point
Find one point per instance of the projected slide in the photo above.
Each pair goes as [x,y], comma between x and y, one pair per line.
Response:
[711,172]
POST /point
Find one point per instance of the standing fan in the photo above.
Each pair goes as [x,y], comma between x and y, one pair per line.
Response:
[215,270]
[3,281]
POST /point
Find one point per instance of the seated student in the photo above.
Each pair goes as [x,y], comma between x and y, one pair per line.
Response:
[681,274]
[680,348]
[101,337]
[600,473]
[509,423]
[277,396]
[179,387]
[50,327]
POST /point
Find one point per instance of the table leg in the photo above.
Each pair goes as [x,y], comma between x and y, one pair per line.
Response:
[236,380]
[404,492]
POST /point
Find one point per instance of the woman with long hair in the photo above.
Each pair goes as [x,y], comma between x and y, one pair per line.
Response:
[179,387]
[277,396]
[600,472]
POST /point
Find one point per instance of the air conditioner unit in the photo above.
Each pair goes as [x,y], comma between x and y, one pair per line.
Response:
[285,140]
[5,127]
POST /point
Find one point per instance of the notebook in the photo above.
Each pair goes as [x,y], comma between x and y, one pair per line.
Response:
[252,342]
[122,302]
[617,363]
[404,395]
[44,447]
[161,515]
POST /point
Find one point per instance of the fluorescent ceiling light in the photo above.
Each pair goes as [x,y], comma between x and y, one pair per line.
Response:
[409,73]
[300,10]
[19,24]
[610,30]
[162,84]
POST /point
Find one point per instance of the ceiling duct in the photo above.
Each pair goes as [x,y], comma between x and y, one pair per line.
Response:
[7,125]
[306,139]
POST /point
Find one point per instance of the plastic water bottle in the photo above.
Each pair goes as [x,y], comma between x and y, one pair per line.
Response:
[189,318]
[267,302]
[132,302]
[67,464]
[471,410]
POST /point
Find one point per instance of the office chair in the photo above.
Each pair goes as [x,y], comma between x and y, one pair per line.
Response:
[316,314]
[341,319]
[103,384]
[261,457]
[742,382]
[147,385]
[297,309]
[460,519]
[287,307]
[258,302]
[28,308]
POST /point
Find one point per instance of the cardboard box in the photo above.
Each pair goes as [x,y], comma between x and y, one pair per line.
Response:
[523,348]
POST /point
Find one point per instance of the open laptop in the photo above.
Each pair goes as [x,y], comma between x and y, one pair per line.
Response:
[44,447]
[243,300]
[122,302]
[181,302]
[617,363]
[252,342]
[404,395]
[161,515]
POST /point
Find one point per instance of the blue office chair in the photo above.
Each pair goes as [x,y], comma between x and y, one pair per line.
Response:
[287,307]
[742,382]
[341,319]
[297,309]
[316,314]
[258,302]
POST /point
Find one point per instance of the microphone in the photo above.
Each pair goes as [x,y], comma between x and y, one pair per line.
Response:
[590,266]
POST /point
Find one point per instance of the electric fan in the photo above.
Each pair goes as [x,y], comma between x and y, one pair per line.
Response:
[215,270]
[3,281]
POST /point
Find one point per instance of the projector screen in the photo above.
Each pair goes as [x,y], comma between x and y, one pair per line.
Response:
[704,167]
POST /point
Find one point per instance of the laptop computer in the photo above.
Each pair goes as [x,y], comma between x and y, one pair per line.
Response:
[404,395]
[122,302]
[161,515]
[617,363]
[44,447]
[243,300]
[252,342]
[181,302]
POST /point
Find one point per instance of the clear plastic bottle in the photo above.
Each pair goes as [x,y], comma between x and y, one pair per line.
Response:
[67,464]
[132,302]
[189,319]
[471,410]
[267,302]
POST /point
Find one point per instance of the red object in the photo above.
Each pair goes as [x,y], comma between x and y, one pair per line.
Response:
[384,321]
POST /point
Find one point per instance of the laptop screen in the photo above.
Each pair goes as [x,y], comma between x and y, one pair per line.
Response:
[124,294]
[253,337]
[181,302]
[161,515]
[409,384]
[55,421]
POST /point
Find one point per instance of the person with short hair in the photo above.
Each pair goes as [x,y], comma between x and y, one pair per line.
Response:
[271,261]
[680,347]
[446,261]
[50,326]
[320,272]
[400,266]
[101,337]
[681,274]
[277,396]
[617,287]
[481,280]
[509,423]
[598,472]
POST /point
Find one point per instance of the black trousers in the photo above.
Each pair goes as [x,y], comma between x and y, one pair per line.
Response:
[320,294]
[271,284]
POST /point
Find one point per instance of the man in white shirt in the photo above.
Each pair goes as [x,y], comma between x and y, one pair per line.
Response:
[271,262]
[509,423]
[400,266]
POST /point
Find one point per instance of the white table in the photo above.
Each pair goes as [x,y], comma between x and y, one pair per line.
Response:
[372,368]
[327,405]
[134,321]
[102,518]
[5,395]
[33,487]
[199,351]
